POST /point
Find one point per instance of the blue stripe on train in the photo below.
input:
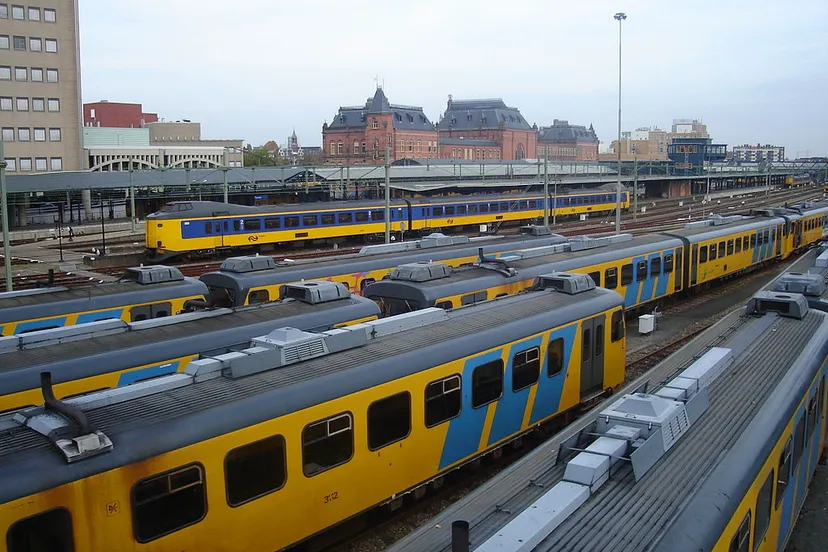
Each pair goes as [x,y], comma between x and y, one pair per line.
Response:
[512,406]
[58,322]
[649,284]
[664,279]
[464,432]
[631,295]
[548,395]
[147,373]
[101,315]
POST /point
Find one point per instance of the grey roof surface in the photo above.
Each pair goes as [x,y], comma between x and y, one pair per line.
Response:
[152,425]
[564,132]
[481,114]
[404,117]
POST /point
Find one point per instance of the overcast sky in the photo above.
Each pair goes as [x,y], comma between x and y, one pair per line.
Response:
[752,71]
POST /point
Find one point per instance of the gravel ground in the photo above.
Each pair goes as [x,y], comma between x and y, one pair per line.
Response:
[810,529]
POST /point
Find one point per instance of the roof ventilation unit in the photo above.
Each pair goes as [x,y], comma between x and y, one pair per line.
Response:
[565,282]
[153,274]
[424,271]
[248,263]
[791,305]
[315,292]
[812,285]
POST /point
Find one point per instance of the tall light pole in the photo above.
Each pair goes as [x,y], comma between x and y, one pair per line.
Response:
[620,16]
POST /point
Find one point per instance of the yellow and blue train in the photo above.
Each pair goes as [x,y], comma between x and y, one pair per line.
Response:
[302,431]
[797,180]
[142,293]
[205,227]
[642,269]
[113,353]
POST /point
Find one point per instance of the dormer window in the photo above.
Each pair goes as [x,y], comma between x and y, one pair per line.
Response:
[399,118]
[410,118]
[374,124]
[468,116]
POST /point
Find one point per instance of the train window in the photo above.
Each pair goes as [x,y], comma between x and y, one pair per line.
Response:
[160,310]
[730,247]
[438,211]
[626,274]
[361,216]
[473,209]
[668,263]
[258,296]
[722,247]
[327,443]
[761,239]
[596,277]
[506,207]
[377,215]
[345,217]
[365,283]
[473,298]
[487,383]
[738,244]
[328,218]
[291,222]
[141,312]
[484,207]
[273,223]
[611,278]
[784,472]
[252,224]
[554,357]
[494,208]
[165,503]
[799,440]
[533,204]
[389,420]
[237,225]
[256,469]
[208,227]
[586,345]
[449,210]
[617,326]
[443,400]
[50,530]
[703,254]
[655,266]
[445,305]
[461,209]
[741,540]
[763,511]
[310,220]
[753,241]
[712,251]
[812,414]
[525,368]
[641,271]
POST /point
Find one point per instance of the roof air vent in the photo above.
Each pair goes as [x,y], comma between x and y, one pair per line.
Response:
[249,263]
[791,305]
[565,282]
[535,230]
[421,272]
[315,292]
[796,282]
[153,274]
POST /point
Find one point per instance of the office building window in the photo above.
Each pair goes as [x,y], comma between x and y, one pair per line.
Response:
[54,104]
[24,134]
[11,164]
[51,75]
[8,134]
[17,12]
[54,135]
[51,45]
[36,74]
[5,104]
[21,74]
[40,163]
[4,42]
[25,163]
[22,104]
[57,163]
[38,104]
[5,72]
[34,14]
[20,43]
[4,11]
[35,44]
[49,16]
[40,135]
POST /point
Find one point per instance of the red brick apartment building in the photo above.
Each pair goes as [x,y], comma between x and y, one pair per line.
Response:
[116,115]
[359,134]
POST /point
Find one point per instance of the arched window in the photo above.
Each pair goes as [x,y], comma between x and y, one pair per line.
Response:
[333,148]
[356,146]
[520,153]
[339,148]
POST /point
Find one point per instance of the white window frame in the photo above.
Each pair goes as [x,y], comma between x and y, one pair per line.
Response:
[41,164]
[17,104]
[24,134]
[35,44]
[47,12]
[41,102]
[50,71]
[5,42]
[11,164]
[7,102]
[25,164]
[8,134]
[36,71]
[5,72]
[54,132]
[18,10]
[33,10]
[39,134]
[49,105]
[25,73]
[51,41]
[56,163]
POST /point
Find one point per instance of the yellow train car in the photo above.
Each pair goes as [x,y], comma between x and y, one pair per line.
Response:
[143,293]
[113,354]
[282,450]
[201,227]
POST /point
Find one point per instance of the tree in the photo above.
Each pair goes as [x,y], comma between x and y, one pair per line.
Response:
[258,156]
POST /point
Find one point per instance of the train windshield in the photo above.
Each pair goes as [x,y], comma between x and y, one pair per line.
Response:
[391,306]
[221,297]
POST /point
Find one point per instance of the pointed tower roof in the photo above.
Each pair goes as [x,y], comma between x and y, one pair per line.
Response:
[379,103]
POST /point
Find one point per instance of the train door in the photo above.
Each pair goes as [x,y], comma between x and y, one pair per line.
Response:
[220,227]
[679,268]
[592,356]
[779,241]
[694,265]
[797,230]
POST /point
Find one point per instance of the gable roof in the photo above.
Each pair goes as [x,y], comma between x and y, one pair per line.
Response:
[562,131]
[404,117]
[481,114]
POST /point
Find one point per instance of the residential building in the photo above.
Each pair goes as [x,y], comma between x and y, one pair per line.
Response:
[498,131]
[644,143]
[689,128]
[758,153]
[360,134]
[40,86]
[565,142]
[116,115]
[691,155]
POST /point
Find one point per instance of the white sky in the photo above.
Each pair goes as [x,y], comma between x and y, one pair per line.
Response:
[753,71]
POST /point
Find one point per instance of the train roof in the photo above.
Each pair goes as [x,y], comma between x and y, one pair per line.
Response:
[166,420]
[197,209]
[360,263]
[142,343]
[458,281]
[100,296]
[716,226]
[677,505]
